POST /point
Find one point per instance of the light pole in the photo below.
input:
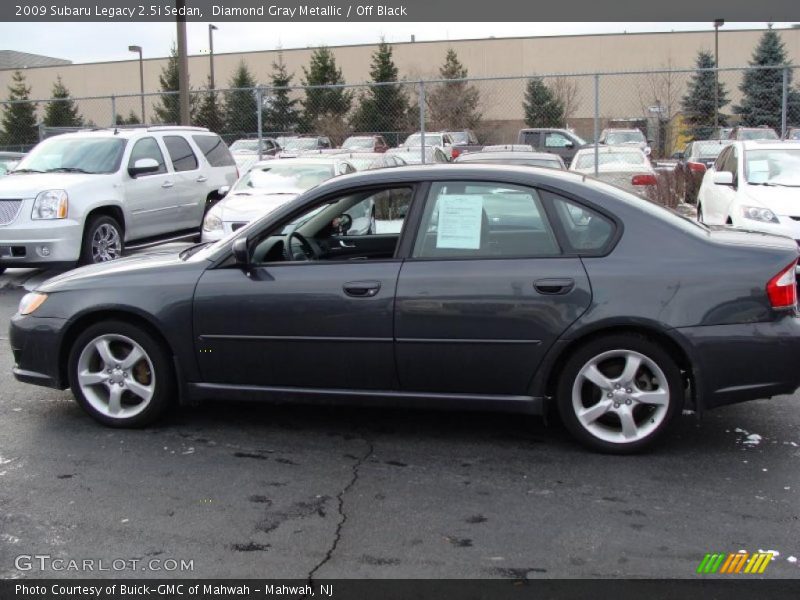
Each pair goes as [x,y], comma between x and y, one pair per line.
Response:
[211,30]
[717,24]
[183,64]
[141,77]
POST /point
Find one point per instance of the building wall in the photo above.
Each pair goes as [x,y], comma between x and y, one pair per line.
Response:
[621,97]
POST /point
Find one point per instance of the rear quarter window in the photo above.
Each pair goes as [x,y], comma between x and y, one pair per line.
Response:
[215,150]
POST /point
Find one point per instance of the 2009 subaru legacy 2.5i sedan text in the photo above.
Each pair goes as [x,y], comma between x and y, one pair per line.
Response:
[506,288]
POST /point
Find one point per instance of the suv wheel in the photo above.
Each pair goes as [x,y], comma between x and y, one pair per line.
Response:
[619,393]
[120,374]
[102,240]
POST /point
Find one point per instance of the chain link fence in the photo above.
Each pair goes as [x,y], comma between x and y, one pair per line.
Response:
[671,107]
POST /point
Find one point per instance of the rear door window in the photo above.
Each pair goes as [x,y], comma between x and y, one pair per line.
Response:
[180,153]
[484,220]
[215,150]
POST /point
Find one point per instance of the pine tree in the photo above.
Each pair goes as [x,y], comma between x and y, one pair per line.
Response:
[241,105]
[61,111]
[133,119]
[168,110]
[325,109]
[542,108]
[210,111]
[19,117]
[383,109]
[454,105]
[280,115]
[698,103]
[762,89]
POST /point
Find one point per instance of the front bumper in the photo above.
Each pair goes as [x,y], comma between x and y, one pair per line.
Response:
[35,343]
[736,363]
[40,242]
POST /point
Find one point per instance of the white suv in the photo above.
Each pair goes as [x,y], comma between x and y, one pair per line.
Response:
[84,197]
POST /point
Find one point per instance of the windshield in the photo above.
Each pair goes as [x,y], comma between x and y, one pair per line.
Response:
[524,162]
[413,156]
[773,167]
[586,160]
[707,149]
[358,142]
[625,137]
[299,143]
[431,139]
[757,134]
[85,154]
[244,145]
[284,177]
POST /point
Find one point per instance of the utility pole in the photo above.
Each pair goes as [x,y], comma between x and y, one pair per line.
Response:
[211,29]
[717,24]
[183,63]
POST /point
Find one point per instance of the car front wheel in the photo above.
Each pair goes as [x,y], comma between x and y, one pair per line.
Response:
[620,393]
[120,374]
[102,240]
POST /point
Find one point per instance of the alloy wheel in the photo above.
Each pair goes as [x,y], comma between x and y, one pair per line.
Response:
[620,396]
[106,243]
[116,376]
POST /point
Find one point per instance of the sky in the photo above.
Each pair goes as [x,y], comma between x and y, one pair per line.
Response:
[91,42]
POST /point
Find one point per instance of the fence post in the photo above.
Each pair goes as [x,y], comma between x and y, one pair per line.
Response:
[422,120]
[784,101]
[259,119]
[113,110]
[596,122]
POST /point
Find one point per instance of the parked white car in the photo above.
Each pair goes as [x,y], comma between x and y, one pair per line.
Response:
[626,167]
[625,137]
[754,185]
[85,197]
[268,185]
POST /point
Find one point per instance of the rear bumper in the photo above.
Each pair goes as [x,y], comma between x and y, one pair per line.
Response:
[736,363]
[35,343]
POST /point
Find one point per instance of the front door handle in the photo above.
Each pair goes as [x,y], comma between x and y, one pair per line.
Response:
[362,289]
[201,179]
[555,286]
[343,244]
[167,184]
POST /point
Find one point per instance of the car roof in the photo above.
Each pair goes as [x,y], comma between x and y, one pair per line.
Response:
[766,144]
[128,132]
[510,154]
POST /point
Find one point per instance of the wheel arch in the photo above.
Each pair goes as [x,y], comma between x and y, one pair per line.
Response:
[669,340]
[109,210]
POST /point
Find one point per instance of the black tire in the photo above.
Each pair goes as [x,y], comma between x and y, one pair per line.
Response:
[92,226]
[610,344]
[163,378]
[700,214]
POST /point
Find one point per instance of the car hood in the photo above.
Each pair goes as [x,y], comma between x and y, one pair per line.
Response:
[781,200]
[249,207]
[27,185]
[104,272]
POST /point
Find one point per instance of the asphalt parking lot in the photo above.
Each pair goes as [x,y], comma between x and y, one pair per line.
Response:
[246,490]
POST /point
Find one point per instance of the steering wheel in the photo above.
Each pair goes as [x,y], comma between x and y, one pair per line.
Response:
[309,251]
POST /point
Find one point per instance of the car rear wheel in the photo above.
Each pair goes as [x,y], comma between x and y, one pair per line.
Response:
[120,374]
[620,393]
[102,240]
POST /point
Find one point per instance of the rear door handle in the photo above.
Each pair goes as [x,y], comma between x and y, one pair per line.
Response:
[362,289]
[555,286]
[201,179]
[167,184]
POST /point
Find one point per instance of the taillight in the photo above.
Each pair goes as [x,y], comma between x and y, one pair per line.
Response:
[782,289]
[696,167]
[644,179]
[455,153]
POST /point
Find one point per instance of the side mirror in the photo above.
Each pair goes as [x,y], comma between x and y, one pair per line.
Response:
[143,166]
[223,191]
[722,178]
[240,252]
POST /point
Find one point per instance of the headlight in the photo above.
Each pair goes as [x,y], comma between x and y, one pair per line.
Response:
[757,213]
[212,222]
[30,302]
[50,204]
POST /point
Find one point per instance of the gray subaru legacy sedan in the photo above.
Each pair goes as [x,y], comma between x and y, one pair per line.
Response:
[478,287]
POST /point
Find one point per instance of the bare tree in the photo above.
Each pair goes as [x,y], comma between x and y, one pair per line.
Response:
[565,90]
